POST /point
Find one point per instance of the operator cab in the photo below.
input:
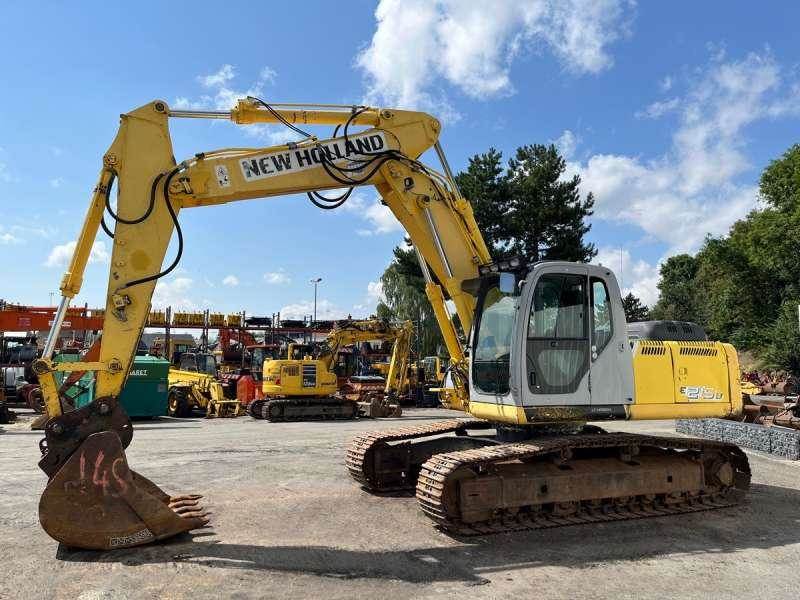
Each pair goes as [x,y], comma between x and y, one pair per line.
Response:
[549,343]
[198,363]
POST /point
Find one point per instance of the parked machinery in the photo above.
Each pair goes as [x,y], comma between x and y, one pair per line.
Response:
[538,335]
[193,385]
[302,387]
[6,415]
[231,345]
[386,400]
[19,381]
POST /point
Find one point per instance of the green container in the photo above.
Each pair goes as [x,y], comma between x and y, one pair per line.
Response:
[145,391]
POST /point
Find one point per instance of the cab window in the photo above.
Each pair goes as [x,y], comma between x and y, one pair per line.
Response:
[602,322]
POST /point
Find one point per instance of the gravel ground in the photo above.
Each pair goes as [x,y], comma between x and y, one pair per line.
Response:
[290,523]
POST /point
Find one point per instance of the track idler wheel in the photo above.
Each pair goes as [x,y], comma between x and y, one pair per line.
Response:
[95,501]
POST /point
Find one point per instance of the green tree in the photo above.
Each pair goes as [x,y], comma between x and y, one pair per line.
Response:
[404,289]
[780,181]
[744,287]
[677,298]
[529,209]
[486,186]
[634,309]
[783,349]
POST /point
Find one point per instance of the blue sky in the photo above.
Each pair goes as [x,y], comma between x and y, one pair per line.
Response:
[669,111]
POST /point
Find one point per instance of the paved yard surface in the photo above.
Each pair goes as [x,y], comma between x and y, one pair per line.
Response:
[289,523]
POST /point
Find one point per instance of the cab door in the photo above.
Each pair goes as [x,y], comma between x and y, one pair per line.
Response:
[556,347]
[611,368]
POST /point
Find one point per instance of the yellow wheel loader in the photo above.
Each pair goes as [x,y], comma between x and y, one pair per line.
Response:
[193,385]
[538,351]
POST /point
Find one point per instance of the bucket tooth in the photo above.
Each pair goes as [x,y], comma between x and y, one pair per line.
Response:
[95,501]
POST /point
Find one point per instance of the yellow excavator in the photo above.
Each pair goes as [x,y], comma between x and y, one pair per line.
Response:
[541,350]
[297,389]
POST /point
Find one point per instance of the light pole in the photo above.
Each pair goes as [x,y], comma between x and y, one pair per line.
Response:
[315,281]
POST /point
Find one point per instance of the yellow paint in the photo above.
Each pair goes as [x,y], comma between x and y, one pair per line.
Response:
[685,380]
[49,386]
[500,413]
[679,411]
[284,377]
[652,373]
[737,401]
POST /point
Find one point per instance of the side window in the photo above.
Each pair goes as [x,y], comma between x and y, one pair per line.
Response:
[602,322]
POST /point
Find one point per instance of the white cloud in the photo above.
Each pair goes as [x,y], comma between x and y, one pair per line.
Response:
[666,84]
[223,95]
[636,276]
[375,292]
[20,234]
[278,277]
[56,182]
[230,281]
[175,293]
[378,215]
[658,109]
[325,310]
[694,188]
[701,184]
[27,230]
[566,143]
[61,254]
[8,238]
[373,296]
[472,45]
[218,79]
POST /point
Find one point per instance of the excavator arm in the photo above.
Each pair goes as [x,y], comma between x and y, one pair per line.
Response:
[397,377]
[376,330]
[354,331]
[152,189]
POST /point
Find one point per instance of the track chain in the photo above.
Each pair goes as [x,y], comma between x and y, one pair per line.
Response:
[432,484]
[254,408]
[359,451]
[274,410]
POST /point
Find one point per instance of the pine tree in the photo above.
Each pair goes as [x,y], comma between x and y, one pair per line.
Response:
[529,210]
[634,309]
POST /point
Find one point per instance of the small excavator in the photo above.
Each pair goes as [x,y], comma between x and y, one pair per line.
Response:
[537,351]
[307,388]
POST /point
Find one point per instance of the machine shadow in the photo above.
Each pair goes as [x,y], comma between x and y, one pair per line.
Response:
[471,560]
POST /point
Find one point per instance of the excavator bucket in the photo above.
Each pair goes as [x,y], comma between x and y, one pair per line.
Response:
[95,501]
